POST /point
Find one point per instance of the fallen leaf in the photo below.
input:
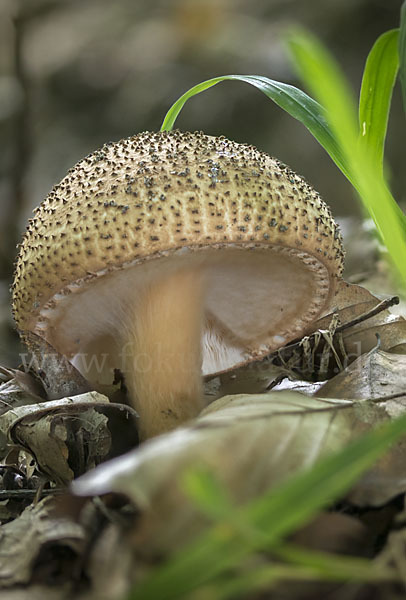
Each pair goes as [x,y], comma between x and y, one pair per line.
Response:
[350,300]
[377,374]
[22,540]
[339,337]
[381,377]
[249,443]
[58,376]
[70,436]
[18,389]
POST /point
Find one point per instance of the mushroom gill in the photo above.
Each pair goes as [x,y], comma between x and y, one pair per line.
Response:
[168,255]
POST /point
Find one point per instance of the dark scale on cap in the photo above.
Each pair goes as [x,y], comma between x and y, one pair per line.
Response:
[123,184]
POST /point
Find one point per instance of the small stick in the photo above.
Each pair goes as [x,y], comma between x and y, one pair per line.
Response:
[29,494]
[370,313]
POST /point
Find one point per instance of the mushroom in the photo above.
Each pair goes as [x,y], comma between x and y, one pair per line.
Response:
[171,255]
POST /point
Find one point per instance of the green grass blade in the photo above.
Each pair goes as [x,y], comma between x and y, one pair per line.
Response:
[332,119]
[294,101]
[327,83]
[276,514]
[322,75]
[376,94]
[309,566]
[173,112]
[402,52]
[335,566]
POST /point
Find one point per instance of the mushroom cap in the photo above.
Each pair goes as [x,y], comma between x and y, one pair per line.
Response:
[159,201]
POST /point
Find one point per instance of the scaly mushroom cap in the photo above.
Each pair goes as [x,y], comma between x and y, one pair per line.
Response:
[143,207]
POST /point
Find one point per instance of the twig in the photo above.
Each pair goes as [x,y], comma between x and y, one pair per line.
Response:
[370,313]
[29,494]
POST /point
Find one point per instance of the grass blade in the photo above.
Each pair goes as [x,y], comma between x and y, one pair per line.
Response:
[306,565]
[376,94]
[294,101]
[402,52]
[324,78]
[332,119]
[173,112]
[276,514]
[321,74]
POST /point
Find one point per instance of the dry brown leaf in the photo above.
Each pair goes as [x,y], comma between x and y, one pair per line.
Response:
[58,376]
[13,394]
[24,380]
[389,329]
[350,300]
[18,389]
[374,375]
[21,541]
[381,377]
[351,329]
[70,436]
[250,443]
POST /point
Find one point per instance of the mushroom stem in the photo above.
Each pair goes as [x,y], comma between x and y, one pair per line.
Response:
[162,347]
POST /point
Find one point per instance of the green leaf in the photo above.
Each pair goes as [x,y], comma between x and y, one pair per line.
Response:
[294,101]
[276,514]
[334,566]
[402,52]
[264,577]
[324,78]
[376,93]
[175,109]
[332,119]
[321,74]
[306,565]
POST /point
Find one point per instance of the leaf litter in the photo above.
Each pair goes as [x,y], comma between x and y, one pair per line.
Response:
[265,422]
